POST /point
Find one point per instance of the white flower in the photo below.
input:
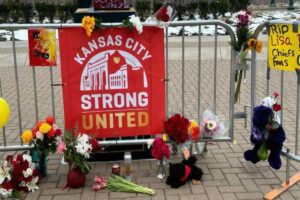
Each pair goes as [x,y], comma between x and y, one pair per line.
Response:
[4,172]
[83,149]
[33,184]
[28,158]
[150,143]
[211,125]
[5,193]
[136,23]
[27,173]
[39,135]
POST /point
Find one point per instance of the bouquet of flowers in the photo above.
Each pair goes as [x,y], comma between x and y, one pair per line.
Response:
[212,125]
[176,127]
[77,149]
[160,149]
[194,130]
[91,23]
[17,175]
[243,44]
[44,136]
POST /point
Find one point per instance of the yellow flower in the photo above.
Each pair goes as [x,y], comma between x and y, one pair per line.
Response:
[193,124]
[165,137]
[258,46]
[251,43]
[45,128]
[88,23]
[27,136]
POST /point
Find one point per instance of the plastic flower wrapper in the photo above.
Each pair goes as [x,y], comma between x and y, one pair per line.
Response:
[212,125]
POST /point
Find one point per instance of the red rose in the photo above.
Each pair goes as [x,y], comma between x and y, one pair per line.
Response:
[95,145]
[38,124]
[7,185]
[276,107]
[51,133]
[50,120]
[176,127]
[58,132]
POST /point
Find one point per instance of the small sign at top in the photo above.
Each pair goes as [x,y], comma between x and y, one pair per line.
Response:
[111,4]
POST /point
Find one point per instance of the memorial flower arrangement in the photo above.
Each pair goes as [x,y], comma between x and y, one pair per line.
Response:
[44,136]
[17,175]
[90,23]
[77,148]
[176,127]
[194,130]
[160,149]
[243,44]
[212,125]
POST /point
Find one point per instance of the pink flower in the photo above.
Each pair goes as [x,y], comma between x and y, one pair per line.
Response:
[39,135]
[276,94]
[61,147]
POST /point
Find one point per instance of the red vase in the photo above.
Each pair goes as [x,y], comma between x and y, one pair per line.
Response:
[76,178]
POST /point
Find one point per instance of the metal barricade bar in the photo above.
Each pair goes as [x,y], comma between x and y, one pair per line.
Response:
[136,140]
[290,181]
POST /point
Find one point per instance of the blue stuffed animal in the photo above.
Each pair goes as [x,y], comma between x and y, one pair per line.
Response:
[267,134]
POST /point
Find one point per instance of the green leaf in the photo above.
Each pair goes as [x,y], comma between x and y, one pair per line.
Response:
[16,194]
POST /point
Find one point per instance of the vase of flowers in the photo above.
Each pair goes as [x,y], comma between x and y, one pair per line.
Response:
[176,128]
[43,136]
[18,175]
[160,151]
[242,47]
[194,135]
[77,148]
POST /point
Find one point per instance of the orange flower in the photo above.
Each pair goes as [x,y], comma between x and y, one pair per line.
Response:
[251,43]
[88,23]
[258,46]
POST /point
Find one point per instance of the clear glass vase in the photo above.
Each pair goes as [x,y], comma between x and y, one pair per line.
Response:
[161,169]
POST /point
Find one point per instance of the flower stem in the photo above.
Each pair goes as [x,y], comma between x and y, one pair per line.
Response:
[238,86]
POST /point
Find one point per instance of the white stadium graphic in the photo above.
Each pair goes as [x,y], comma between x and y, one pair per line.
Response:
[112,70]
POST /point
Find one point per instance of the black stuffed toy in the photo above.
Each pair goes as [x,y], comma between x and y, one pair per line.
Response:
[181,173]
[267,134]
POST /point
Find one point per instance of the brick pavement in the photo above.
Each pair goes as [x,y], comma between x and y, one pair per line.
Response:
[227,175]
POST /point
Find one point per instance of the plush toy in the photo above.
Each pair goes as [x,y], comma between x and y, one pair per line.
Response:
[267,133]
[181,173]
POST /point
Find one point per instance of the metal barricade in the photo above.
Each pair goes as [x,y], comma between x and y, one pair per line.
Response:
[288,84]
[192,85]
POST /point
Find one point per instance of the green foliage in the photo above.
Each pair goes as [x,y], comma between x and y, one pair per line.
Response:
[191,8]
[4,13]
[27,12]
[50,13]
[157,6]
[142,8]
[41,8]
[236,5]
[15,11]
[203,8]
[223,7]
[214,8]
[181,10]
[66,11]
[71,156]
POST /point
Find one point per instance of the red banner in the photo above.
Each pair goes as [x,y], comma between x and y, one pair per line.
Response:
[113,81]
[42,47]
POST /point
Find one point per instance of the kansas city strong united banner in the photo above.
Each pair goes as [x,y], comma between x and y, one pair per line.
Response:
[113,81]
